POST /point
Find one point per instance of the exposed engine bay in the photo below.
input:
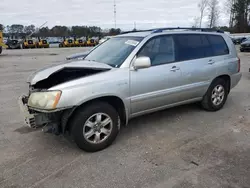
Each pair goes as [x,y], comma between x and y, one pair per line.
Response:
[64,75]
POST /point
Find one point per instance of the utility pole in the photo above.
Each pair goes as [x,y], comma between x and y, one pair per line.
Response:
[115,12]
[135,25]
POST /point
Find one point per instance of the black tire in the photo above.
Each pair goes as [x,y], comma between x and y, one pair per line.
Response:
[1,49]
[82,115]
[207,103]
[242,50]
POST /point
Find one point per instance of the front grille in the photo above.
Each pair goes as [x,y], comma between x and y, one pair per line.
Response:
[30,42]
[31,122]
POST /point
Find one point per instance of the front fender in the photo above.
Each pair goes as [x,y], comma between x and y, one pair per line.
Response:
[69,112]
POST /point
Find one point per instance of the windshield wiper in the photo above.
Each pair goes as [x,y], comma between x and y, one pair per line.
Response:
[112,65]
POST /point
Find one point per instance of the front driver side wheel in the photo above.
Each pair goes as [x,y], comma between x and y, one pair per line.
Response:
[95,126]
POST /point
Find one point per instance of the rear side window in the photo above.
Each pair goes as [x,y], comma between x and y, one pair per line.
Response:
[218,45]
[193,46]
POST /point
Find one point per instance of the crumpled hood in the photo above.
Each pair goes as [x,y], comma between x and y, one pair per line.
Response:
[47,71]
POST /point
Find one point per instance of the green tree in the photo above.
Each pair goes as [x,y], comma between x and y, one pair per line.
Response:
[229,11]
[1,27]
[16,28]
[44,32]
[241,12]
[213,13]
[114,31]
[59,31]
[29,29]
[202,8]
[79,31]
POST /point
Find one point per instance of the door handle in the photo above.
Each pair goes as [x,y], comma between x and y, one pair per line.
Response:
[210,62]
[174,68]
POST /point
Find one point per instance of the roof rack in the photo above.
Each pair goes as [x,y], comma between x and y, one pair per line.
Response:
[159,30]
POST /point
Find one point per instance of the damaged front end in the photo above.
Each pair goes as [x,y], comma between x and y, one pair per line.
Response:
[36,119]
[39,107]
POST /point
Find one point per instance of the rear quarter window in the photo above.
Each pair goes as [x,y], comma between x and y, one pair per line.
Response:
[218,44]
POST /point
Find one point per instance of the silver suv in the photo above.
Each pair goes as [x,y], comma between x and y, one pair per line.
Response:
[127,76]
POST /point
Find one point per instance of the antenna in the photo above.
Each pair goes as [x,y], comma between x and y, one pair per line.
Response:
[115,12]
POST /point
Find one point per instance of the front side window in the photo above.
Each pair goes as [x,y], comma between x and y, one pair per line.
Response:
[114,51]
[160,50]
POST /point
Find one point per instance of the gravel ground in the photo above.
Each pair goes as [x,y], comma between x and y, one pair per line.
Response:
[181,147]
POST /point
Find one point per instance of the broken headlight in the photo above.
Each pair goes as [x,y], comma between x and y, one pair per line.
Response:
[44,100]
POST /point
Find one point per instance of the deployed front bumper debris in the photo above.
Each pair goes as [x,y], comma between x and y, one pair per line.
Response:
[31,118]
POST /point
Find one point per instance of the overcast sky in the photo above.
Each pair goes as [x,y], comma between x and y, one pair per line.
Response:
[146,13]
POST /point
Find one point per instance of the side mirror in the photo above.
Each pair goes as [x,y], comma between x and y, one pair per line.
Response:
[142,62]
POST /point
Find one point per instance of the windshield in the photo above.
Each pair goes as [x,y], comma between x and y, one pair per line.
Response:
[114,51]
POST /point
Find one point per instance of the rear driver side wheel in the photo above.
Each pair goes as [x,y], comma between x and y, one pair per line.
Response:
[216,95]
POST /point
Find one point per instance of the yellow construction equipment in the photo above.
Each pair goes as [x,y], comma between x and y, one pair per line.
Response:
[79,42]
[42,43]
[91,42]
[2,45]
[67,43]
[29,43]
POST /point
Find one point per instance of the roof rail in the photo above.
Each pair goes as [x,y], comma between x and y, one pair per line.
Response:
[159,30]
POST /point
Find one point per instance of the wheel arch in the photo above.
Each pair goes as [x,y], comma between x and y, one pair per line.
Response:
[225,77]
[114,101]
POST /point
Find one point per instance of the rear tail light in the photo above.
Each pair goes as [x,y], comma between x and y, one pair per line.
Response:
[238,64]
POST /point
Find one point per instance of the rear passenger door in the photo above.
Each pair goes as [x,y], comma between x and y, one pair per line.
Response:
[198,65]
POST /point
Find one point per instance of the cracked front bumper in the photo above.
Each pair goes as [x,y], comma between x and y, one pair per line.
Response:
[31,118]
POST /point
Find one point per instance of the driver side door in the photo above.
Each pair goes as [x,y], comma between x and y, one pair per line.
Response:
[155,87]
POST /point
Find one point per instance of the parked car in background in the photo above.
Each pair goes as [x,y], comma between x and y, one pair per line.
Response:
[245,45]
[128,76]
[238,40]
